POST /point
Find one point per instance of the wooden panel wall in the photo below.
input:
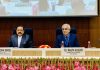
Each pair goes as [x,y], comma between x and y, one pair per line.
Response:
[95,32]
[44,29]
[95,29]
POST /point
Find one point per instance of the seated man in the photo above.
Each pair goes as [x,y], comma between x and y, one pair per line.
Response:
[67,39]
[20,39]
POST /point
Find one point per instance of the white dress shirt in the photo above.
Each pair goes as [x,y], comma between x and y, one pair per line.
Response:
[19,40]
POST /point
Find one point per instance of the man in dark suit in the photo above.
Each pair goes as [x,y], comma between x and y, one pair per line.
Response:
[20,39]
[66,39]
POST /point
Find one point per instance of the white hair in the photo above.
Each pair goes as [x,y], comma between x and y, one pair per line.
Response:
[67,25]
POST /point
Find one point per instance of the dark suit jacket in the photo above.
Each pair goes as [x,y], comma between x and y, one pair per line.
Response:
[25,41]
[72,41]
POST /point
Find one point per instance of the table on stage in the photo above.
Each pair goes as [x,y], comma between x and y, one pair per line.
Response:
[55,52]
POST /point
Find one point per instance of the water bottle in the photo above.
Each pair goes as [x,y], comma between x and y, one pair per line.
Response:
[89,44]
[62,44]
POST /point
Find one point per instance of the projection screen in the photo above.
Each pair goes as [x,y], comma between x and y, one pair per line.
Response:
[48,8]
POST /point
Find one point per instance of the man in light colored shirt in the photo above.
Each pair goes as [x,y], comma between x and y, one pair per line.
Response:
[20,39]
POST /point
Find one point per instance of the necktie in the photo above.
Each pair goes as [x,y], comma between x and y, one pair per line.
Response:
[66,41]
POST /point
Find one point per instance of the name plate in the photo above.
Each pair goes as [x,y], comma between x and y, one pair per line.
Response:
[5,52]
[73,52]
